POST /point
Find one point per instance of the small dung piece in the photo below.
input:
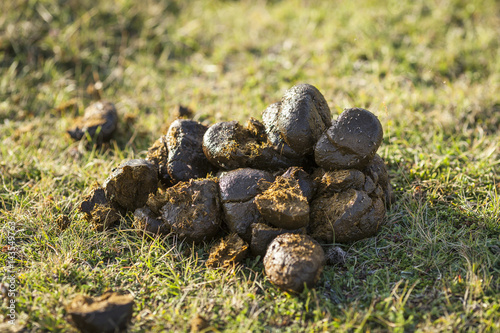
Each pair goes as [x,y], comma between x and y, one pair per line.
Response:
[242,184]
[186,159]
[335,256]
[199,323]
[240,216]
[192,210]
[158,155]
[99,122]
[98,210]
[306,183]
[63,222]
[145,220]
[351,142]
[293,261]
[228,252]
[110,312]
[283,205]
[131,183]
[263,235]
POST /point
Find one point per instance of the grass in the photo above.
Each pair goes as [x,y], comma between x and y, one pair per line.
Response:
[428,69]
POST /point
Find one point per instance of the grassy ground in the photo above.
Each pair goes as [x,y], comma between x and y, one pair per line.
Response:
[429,70]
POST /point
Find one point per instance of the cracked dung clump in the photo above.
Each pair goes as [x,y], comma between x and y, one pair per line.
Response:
[192,210]
[229,145]
[346,216]
[296,123]
[228,252]
[99,122]
[186,159]
[238,189]
[98,211]
[263,235]
[351,142]
[283,204]
[158,155]
[147,221]
[130,184]
[107,313]
[293,261]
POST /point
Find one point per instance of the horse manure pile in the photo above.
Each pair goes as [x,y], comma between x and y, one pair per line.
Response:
[274,189]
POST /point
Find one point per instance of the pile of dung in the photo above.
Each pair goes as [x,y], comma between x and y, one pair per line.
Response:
[279,188]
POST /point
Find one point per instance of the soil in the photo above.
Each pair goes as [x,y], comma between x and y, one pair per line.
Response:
[131,183]
[99,122]
[293,261]
[351,142]
[192,210]
[186,159]
[263,235]
[283,205]
[108,313]
[228,252]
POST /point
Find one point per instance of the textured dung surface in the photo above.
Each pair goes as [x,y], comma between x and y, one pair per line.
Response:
[346,216]
[335,256]
[192,210]
[306,182]
[108,313]
[377,171]
[302,118]
[294,260]
[270,120]
[228,252]
[98,210]
[158,155]
[149,222]
[330,182]
[283,205]
[240,216]
[229,145]
[186,159]
[242,184]
[263,235]
[99,122]
[131,183]
[351,142]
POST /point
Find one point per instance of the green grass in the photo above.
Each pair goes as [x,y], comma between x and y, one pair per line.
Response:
[428,69]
